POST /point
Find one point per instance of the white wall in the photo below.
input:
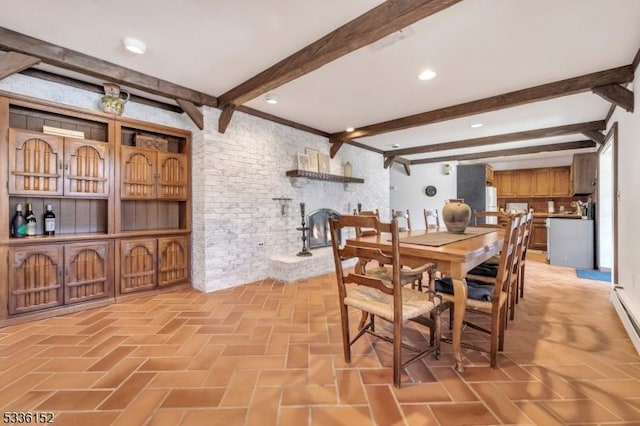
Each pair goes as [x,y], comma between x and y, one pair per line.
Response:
[408,192]
[235,176]
[629,194]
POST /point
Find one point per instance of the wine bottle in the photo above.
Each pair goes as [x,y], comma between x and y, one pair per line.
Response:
[31,221]
[18,223]
[49,221]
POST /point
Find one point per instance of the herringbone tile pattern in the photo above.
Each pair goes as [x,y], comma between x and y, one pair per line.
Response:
[267,353]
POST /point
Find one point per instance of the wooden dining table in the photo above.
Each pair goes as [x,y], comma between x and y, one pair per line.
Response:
[453,259]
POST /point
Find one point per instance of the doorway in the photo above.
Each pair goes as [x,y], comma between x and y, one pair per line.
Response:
[607,205]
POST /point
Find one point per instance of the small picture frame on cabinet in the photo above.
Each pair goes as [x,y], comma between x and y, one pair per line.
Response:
[324,163]
[313,159]
[303,162]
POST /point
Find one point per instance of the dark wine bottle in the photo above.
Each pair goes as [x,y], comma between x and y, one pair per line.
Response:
[49,221]
[18,223]
[31,221]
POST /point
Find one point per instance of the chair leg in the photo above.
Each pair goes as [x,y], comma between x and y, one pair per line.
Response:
[496,319]
[503,327]
[346,339]
[512,296]
[397,352]
[522,281]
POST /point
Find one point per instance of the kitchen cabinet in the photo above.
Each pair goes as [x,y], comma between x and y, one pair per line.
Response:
[538,239]
[583,173]
[506,183]
[560,178]
[48,165]
[151,174]
[524,183]
[48,275]
[148,263]
[490,175]
[540,182]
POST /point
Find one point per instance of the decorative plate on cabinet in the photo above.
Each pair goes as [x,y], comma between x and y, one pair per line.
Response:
[430,191]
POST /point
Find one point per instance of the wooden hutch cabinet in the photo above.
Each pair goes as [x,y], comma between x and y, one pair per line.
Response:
[122,206]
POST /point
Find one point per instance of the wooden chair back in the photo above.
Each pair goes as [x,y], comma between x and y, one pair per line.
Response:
[431,220]
[523,255]
[479,215]
[367,232]
[404,219]
[365,255]
[507,257]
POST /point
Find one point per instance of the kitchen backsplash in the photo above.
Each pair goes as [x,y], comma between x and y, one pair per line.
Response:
[541,204]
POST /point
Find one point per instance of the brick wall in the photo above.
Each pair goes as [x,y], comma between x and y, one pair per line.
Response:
[235,177]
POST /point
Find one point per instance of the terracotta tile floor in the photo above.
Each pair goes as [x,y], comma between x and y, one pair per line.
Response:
[266,353]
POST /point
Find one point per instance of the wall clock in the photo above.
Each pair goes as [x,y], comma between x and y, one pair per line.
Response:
[430,191]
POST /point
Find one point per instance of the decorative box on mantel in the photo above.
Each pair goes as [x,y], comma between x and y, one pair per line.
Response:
[149,141]
[323,176]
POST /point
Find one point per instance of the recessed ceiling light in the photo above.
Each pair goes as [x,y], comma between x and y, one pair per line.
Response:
[271,99]
[395,145]
[134,45]
[350,129]
[427,75]
[476,125]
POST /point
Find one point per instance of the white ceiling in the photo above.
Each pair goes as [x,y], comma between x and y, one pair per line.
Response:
[479,48]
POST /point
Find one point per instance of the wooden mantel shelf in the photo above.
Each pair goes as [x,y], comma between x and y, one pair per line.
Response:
[323,176]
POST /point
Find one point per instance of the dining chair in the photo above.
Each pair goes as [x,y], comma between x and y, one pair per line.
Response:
[383,297]
[523,260]
[489,299]
[488,271]
[480,217]
[431,220]
[366,232]
[403,218]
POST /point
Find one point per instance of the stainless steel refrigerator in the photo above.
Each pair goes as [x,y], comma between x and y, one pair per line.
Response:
[491,203]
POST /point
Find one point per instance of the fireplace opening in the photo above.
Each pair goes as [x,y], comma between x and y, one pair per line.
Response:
[319,234]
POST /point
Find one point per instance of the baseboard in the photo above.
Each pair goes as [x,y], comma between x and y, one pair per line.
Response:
[629,312]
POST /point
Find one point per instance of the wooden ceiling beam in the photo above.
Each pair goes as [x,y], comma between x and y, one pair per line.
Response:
[636,60]
[616,94]
[13,62]
[543,92]
[407,169]
[385,19]
[335,147]
[594,135]
[85,64]
[225,118]
[388,162]
[504,138]
[193,112]
[509,152]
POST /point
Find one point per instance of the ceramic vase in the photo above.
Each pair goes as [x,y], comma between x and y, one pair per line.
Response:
[456,215]
[111,102]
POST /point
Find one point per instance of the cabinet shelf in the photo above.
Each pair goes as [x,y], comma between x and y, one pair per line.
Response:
[323,176]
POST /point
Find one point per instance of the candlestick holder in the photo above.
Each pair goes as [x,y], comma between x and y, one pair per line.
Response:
[305,249]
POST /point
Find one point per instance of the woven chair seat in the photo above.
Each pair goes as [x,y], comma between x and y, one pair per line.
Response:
[414,303]
[407,276]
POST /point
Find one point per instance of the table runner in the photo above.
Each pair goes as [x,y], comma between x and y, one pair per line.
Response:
[437,239]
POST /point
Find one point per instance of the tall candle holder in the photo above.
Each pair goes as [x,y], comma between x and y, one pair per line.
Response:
[305,250]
